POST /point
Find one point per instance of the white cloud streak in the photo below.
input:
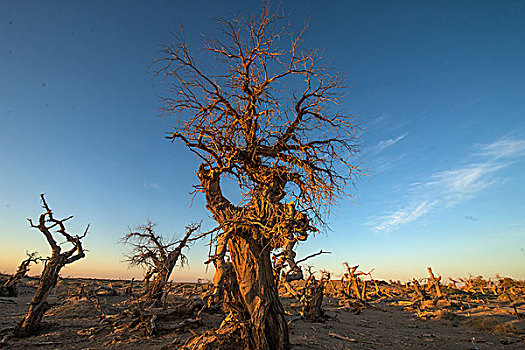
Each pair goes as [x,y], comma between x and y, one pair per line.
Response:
[390,142]
[504,148]
[403,216]
[151,185]
[451,187]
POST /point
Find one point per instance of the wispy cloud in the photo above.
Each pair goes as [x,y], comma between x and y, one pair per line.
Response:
[450,187]
[383,163]
[403,216]
[503,148]
[390,142]
[151,185]
[457,185]
[470,217]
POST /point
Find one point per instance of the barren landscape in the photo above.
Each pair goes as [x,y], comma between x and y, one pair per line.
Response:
[191,139]
[96,313]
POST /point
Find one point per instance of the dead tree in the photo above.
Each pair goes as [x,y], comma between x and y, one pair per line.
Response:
[48,280]
[261,116]
[129,289]
[435,281]
[419,292]
[285,266]
[286,269]
[8,288]
[158,257]
[23,268]
[350,282]
[312,298]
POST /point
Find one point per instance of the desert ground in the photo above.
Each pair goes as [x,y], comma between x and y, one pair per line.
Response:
[98,313]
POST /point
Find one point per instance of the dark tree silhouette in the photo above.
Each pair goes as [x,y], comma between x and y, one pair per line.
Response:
[8,288]
[263,117]
[23,268]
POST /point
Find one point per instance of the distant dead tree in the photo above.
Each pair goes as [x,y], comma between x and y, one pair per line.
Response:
[157,257]
[261,116]
[312,297]
[48,280]
[10,285]
[351,282]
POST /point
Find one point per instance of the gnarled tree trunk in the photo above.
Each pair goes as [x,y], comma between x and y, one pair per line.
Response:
[259,296]
[258,301]
[158,257]
[313,294]
[31,323]
[155,289]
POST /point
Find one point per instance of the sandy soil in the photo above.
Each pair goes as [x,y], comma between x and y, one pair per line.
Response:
[393,322]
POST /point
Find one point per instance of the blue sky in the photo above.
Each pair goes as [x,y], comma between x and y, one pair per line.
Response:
[439,88]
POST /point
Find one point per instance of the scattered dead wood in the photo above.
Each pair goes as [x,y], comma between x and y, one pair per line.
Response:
[342,337]
[48,280]
[141,318]
[105,290]
[230,336]
[125,323]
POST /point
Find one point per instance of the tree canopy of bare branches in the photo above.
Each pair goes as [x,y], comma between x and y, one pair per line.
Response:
[268,116]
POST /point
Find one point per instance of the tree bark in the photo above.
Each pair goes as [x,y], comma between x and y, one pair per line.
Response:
[436,282]
[156,287]
[313,302]
[259,295]
[20,273]
[31,323]
[258,301]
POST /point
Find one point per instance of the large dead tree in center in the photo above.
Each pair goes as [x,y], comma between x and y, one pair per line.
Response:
[49,278]
[263,117]
[156,256]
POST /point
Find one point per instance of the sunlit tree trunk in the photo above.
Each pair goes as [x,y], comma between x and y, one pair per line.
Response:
[259,294]
[155,288]
[259,304]
[159,257]
[31,323]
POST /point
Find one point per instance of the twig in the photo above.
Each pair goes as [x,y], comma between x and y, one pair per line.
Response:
[342,337]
